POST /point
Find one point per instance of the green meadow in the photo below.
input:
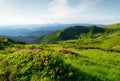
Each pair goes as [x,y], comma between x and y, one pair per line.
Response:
[44,62]
[73,54]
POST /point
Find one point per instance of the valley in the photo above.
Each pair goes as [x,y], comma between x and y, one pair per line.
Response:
[28,33]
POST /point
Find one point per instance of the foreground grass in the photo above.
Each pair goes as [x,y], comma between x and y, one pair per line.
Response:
[90,64]
[97,63]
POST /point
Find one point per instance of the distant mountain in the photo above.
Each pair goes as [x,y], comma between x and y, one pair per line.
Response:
[76,32]
[13,32]
[73,32]
[27,33]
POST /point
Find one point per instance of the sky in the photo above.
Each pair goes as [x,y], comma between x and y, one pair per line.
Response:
[14,12]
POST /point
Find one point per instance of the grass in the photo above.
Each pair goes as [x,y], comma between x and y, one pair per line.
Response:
[92,54]
[90,64]
[97,63]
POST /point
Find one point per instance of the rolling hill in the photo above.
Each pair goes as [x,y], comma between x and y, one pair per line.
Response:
[71,33]
[27,33]
[81,53]
[4,42]
[8,41]
[105,38]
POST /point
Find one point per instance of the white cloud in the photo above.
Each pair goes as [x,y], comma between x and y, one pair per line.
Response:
[59,11]
[5,9]
[12,13]
[61,8]
[7,14]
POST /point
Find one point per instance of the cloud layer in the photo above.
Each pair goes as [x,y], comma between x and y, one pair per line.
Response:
[61,8]
[53,11]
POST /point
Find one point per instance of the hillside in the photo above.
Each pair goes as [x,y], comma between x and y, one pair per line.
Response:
[79,53]
[112,26]
[4,42]
[106,37]
[50,38]
[109,39]
[58,62]
[27,33]
[71,33]
[8,41]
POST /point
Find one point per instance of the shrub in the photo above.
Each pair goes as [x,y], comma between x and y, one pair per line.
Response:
[66,51]
[30,66]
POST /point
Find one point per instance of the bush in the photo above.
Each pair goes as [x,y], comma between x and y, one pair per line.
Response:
[66,51]
[33,66]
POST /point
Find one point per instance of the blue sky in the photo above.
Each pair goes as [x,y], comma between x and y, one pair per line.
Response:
[59,11]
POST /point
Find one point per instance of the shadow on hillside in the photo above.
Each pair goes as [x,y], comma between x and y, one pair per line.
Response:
[82,76]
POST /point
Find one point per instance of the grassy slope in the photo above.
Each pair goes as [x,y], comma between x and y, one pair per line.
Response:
[91,64]
[117,25]
[90,57]
[4,42]
[71,33]
[97,63]
[107,34]
[51,38]
[9,41]
[108,40]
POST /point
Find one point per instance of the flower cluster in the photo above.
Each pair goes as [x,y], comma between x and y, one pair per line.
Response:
[28,51]
[65,51]
[44,58]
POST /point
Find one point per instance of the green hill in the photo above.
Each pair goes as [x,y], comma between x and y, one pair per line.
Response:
[109,39]
[8,41]
[71,33]
[80,54]
[4,42]
[117,25]
[106,37]
[50,38]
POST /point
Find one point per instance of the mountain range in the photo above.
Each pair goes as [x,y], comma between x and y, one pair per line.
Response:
[82,53]
[27,33]
[106,37]
[89,36]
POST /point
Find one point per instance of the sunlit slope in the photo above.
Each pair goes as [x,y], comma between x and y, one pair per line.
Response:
[106,37]
[71,33]
[4,42]
[56,62]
